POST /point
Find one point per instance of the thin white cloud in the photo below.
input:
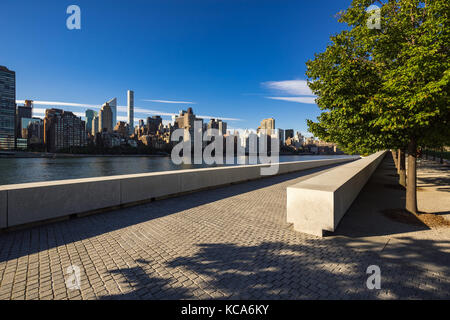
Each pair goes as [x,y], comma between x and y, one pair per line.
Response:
[307,100]
[40,112]
[291,87]
[169,101]
[220,118]
[120,109]
[299,90]
[56,103]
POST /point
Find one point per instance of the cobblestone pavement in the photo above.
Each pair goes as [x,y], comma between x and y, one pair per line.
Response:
[232,242]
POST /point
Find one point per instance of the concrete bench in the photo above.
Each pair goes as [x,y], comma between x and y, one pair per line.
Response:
[32,202]
[319,203]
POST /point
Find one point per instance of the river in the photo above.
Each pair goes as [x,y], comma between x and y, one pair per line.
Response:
[22,170]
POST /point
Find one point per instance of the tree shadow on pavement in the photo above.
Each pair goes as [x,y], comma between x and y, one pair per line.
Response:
[145,286]
[323,270]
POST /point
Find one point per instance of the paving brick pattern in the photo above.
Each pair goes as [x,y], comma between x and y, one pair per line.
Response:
[227,243]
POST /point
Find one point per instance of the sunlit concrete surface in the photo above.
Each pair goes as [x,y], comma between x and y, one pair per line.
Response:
[39,201]
[231,242]
[319,203]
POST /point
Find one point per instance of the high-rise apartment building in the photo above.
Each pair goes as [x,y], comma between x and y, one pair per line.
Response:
[32,130]
[90,114]
[281,137]
[130,108]
[153,124]
[7,108]
[113,105]
[95,125]
[288,133]
[219,125]
[268,125]
[105,119]
[23,112]
[62,130]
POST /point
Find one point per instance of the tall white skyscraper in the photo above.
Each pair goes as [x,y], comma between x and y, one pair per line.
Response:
[130,109]
[113,105]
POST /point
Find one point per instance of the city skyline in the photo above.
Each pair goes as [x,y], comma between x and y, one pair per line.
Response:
[173,54]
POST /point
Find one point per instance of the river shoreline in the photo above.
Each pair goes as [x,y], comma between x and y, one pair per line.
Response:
[20,155]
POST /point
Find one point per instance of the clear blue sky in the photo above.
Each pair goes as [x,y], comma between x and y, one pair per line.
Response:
[226,56]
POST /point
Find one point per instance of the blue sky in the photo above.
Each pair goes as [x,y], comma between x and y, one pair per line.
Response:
[229,58]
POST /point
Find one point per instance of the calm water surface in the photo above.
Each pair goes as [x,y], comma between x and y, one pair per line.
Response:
[21,170]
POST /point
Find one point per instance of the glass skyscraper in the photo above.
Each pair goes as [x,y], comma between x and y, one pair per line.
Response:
[7,108]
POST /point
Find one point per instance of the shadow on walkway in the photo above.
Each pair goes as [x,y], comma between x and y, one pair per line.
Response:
[314,270]
[367,215]
[15,244]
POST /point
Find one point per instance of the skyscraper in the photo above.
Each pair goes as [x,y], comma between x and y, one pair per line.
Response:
[105,118]
[7,108]
[23,112]
[281,136]
[288,133]
[268,125]
[90,114]
[113,105]
[130,108]
[222,127]
[94,125]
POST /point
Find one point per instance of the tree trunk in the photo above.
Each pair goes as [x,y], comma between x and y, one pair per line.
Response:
[442,156]
[398,160]
[402,170]
[411,186]
[394,156]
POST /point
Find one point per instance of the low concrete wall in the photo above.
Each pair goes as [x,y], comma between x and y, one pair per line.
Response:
[319,203]
[32,202]
[3,209]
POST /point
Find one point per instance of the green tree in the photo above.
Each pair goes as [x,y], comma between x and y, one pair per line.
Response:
[385,88]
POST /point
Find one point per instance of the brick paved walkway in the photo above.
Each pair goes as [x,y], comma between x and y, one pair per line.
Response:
[231,242]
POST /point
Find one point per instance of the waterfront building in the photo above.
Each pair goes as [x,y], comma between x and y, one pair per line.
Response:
[95,125]
[281,137]
[130,108]
[90,114]
[63,130]
[268,125]
[105,122]
[113,105]
[219,125]
[222,127]
[7,108]
[23,112]
[122,129]
[153,124]
[298,139]
[32,130]
[288,133]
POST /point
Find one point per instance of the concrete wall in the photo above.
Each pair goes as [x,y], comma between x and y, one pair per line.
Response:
[3,209]
[32,202]
[319,203]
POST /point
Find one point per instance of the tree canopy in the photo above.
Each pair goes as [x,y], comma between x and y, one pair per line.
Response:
[382,88]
